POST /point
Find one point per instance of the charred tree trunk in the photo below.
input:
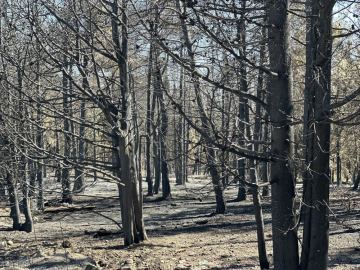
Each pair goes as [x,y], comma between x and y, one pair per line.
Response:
[316,225]
[129,192]
[285,241]
[166,194]
[39,137]
[243,109]
[22,172]
[79,173]
[65,171]
[14,202]
[149,179]
[156,150]
[210,153]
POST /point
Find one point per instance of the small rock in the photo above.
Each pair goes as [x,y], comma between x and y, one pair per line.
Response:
[182,267]
[91,267]
[3,244]
[192,254]
[10,243]
[129,267]
[129,261]
[66,244]
[102,264]
[204,266]
[201,222]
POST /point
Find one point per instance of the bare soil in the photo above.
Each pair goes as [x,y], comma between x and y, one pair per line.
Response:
[183,233]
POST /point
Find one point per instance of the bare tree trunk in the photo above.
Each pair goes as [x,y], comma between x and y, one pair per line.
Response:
[156,151]
[58,169]
[210,153]
[65,172]
[166,194]
[95,148]
[243,107]
[149,180]
[285,241]
[39,136]
[27,226]
[180,179]
[14,202]
[357,180]
[129,192]
[79,173]
[316,225]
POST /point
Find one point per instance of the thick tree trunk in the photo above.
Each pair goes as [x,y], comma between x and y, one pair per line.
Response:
[285,242]
[2,191]
[14,202]
[357,180]
[316,225]
[129,189]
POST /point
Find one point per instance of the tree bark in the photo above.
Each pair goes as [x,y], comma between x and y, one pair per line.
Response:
[79,173]
[65,172]
[243,107]
[285,242]
[210,153]
[149,180]
[14,202]
[316,226]
[129,193]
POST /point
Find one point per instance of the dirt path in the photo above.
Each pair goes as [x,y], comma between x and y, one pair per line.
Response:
[182,233]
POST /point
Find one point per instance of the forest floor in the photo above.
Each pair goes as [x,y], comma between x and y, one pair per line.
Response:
[183,233]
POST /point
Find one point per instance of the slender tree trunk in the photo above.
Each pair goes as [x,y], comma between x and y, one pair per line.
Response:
[285,241]
[263,259]
[79,173]
[149,180]
[243,107]
[32,177]
[39,136]
[338,161]
[156,150]
[265,166]
[166,194]
[58,170]
[65,172]
[95,148]
[180,179]
[210,153]
[27,226]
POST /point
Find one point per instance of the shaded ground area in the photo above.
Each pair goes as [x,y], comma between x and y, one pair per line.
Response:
[182,232]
